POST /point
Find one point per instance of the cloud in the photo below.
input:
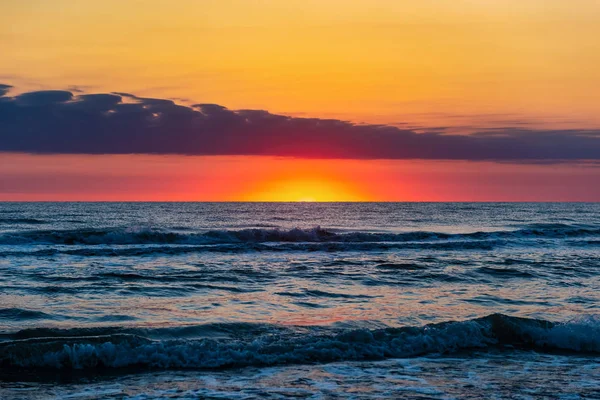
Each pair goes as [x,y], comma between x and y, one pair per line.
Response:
[4,89]
[57,121]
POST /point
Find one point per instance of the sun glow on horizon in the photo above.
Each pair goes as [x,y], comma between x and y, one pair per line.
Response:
[306,189]
[27,177]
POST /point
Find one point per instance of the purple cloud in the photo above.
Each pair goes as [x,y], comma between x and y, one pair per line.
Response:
[62,122]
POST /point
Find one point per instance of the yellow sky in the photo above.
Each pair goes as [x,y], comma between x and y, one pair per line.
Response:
[427,62]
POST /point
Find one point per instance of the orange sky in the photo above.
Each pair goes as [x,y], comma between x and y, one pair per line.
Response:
[242,178]
[462,64]
[432,62]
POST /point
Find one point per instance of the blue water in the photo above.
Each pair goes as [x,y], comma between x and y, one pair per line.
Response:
[299,300]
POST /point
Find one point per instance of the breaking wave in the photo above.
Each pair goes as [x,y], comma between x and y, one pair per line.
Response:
[218,346]
[128,236]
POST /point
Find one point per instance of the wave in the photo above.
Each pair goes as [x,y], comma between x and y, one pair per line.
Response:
[584,243]
[130,236]
[504,272]
[22,314]
[239,345]
[321,293]
[401,267]
[138,251]
[21,221]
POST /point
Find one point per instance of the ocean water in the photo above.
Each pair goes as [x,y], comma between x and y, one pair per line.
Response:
[299,300]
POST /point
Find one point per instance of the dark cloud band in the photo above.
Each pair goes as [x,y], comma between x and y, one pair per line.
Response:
[61,122]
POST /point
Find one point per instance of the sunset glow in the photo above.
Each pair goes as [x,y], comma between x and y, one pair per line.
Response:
[299,199]
[424,62]
[174,178]
[300,100]
[305,190]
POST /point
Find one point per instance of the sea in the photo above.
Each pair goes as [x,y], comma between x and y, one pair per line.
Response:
[300,300]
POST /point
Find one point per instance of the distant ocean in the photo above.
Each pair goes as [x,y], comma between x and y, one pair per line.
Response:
[299,300]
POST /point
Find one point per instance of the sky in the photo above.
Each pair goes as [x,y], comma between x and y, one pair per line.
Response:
[312,100]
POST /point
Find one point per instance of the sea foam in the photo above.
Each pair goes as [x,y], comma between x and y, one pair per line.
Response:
[274,345]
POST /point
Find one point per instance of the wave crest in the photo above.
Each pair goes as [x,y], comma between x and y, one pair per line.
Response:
[272,345]
[131,236]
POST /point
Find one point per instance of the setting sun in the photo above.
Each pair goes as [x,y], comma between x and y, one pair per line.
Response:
[305,190]
[299,199]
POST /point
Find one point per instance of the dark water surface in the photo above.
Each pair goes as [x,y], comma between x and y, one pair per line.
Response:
[299,300]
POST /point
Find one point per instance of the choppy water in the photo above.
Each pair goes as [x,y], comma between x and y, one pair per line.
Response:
[299,300]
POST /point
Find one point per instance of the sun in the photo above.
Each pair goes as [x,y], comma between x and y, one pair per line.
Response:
[307,190]
[307,200]
[305,180]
